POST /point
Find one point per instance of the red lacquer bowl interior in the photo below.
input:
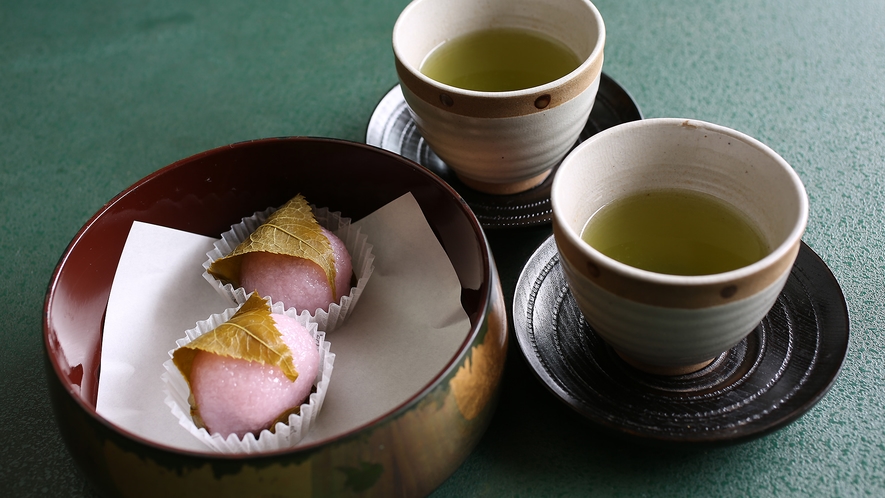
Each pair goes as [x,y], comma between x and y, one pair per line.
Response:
[208,192]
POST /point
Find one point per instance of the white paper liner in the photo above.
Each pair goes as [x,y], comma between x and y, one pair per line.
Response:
[357,245]
[284,435]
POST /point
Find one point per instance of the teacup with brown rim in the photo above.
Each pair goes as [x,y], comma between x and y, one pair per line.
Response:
[507,137]
[676,323]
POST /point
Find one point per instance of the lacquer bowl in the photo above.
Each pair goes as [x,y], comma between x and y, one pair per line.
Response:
[408,451]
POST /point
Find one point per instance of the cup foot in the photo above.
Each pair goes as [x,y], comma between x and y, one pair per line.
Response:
[664,370]
[505,188]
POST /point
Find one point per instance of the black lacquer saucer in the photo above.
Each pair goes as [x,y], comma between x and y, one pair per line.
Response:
[785,366]
[391,127]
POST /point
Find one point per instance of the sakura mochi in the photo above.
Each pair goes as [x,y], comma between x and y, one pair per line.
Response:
[251,379]
[311,260]
[299,282]
[237,396]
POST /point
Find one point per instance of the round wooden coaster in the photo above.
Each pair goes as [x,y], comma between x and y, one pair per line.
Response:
[785,366]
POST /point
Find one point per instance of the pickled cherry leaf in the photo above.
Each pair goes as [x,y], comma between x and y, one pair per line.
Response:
[292,230]
[251,335]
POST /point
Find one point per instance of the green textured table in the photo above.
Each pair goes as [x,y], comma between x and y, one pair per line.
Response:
[94,95]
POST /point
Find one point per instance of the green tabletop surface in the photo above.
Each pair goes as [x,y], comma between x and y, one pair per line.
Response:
[96,94]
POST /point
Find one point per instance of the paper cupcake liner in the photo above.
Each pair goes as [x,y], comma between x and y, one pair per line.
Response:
[284,435]
[355,241]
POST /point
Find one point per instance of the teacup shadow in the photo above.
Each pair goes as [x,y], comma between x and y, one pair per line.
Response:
[391,127]
[768,380]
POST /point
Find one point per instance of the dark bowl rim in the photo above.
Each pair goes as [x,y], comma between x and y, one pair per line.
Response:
[484,304]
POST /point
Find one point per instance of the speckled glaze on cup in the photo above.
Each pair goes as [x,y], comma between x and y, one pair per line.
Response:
[500,142]
[671,324]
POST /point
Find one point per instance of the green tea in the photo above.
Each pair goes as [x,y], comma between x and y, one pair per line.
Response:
[499,60]
[679,232]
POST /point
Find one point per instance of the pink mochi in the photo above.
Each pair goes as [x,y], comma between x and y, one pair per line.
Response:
[236,396]
[297,282]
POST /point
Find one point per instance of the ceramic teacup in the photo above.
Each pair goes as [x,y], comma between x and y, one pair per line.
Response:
[664,323]
[500,142]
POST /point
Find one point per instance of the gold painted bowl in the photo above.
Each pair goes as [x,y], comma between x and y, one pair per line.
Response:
[408,451]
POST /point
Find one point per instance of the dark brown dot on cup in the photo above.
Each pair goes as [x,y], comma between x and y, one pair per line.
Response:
[592,270]
[446,100]
[542,101]
[728,291]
